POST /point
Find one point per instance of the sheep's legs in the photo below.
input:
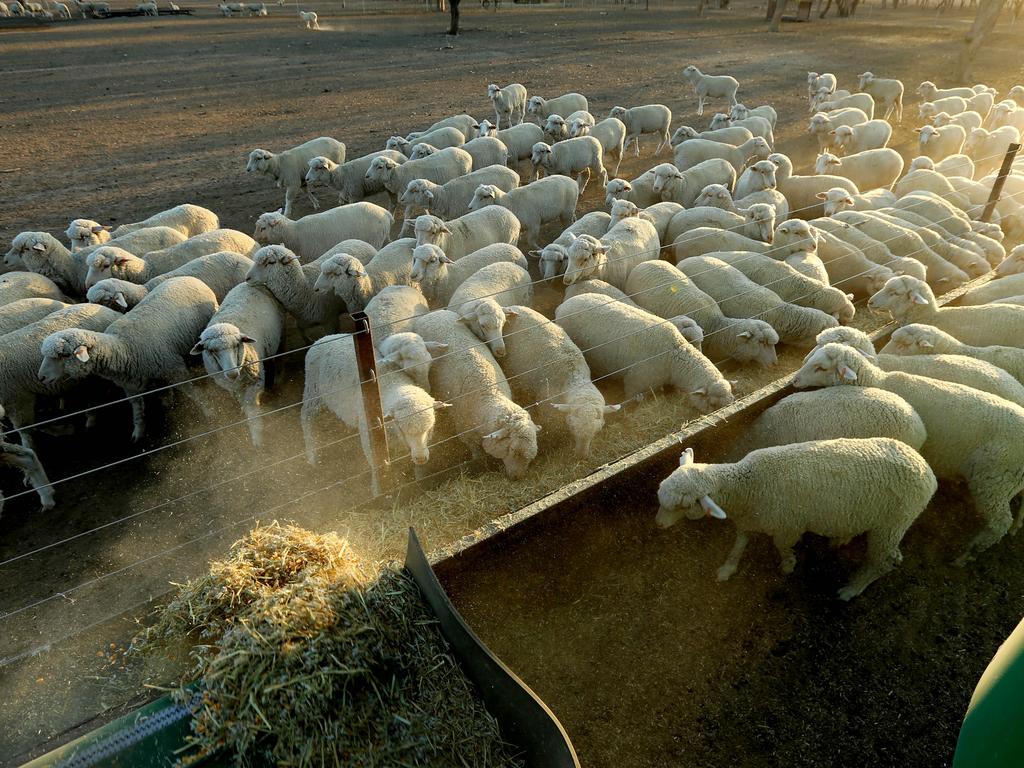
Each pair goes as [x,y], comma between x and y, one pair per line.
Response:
[700,105]
[250,402]
[21,412]
[729,567]
[882,556]
[784,542]
[310,408]
[138,415]
[25,459]
[994,510]
[618,162]
[636,146]
[289,198]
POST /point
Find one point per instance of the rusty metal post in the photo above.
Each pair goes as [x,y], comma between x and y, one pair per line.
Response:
[366,363]
[997,188]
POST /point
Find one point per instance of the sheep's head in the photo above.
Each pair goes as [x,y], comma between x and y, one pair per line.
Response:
[222,346]
[836,199]
[623,209]
[66,354]
[535,106]
[900,295]
[399,143]
[927,90]
[514,442]
[821,97]
[413,417]
[29,250]
[1016,94]
[554,128]
[830,365]
[920,339]
[819,123]
[421,150]
[270,228]
[827,163]
[988,229]
[863,79]
[430,230]
[552,258]
[849,337]
[82,233]
[417,192]
[429,263]
[1013,264]
[975,141]
[541,154]
[666,176]
[492,91]
[409,352]
[345,276]
[260,161]
[586,254]
[921,163]
[755,342]
[578,127]
[711,396]
[687,492]
[782,163]
[615,189]
[926,133]
[927,110]
[319,169]
[842,136]
[716,196]
[584,417]
[485,194]
[690,72]
[110,293]
[617,112]
[762,217]
[682,133]
[486,318]
[102,262]
[268,259]
[768,172]
[739,112]
[380,170]
[484,128]
[720,120]
[796,235]
[940,119]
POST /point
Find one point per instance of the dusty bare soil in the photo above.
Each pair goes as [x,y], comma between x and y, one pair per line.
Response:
[118,119]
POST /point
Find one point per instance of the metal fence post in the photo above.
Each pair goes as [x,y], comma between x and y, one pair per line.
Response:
[997,188]
[366,364]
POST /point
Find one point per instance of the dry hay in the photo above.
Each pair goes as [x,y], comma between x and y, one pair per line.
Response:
[306,656]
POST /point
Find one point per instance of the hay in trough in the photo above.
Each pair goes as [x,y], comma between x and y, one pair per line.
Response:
[308,657]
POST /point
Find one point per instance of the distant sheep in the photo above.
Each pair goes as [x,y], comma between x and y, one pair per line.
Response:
[888,92]
[710,87]
[539,108]
[349,178]
[650,118]
[288,169]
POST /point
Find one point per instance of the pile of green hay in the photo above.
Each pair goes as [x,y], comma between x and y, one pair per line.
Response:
[305,657]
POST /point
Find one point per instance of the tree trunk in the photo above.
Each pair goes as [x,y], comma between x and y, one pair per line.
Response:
[984,22]
[780,8]
[454,6]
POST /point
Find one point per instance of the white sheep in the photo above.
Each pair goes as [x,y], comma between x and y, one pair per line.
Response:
[581,158]
[611,257]
[349,178]
[542,201]
[82,233]
[850,139]
[480,299]
[241,335]
[21,458]
[669,184]
[742,112]
[470,232]
[650,118]
[870,169]
[758,126]
[451,199]
[734,135]
[311,236]
[483,413]
[548,371]
[539,108]
[836,200]
[391,313]
[464,122]
[701,240]
[921,339]
[928,91]
[278,270]
[961,253]
[508,102]
[611,133]
[221,271]
[661,289]
[875,250]
[757,223]
[816,83]
[822,125]
[710,87]
[882,488]
[642,350]
[309,20]
[487,151]
[695,151]
[987,148]
[554,256]
[981,446]
[288,169]
[886,91]
[968,120]
[861,101]
[555,129]
[994,291]
[119,295]
[18,314]
[438,276]
[147,9]
[332,382]
[939,143]
[15,286]
[143,347]
[440,167]
[953,105]
[347,278]
[441,138]
[802,191]
[519,139]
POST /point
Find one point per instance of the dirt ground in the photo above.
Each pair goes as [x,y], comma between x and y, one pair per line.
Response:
[116,120]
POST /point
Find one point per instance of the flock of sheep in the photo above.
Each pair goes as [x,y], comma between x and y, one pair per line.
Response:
[715,258]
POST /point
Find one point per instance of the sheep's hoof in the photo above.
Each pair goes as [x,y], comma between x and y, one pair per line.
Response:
[848,593]
[725,572]
[788,564]
[47,505]
[964,559]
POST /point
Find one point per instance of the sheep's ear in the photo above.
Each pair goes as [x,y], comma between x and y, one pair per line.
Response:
[849,296]
[686,457]
[562,406]
[699,391]
[444,228]
[846,373]
[537,428]
[248,339]
[821,196]
[613,408]
[435,347]
[82,353]
[744,335]
[197,349]
[120,300]
[439,404]
[925,344]
[709,506]
[917,130]
[510,312]
[534,254]
[917,298]
[446,260]
[38,247]
[831,133]
[120,261]
[394,358]
[572,236]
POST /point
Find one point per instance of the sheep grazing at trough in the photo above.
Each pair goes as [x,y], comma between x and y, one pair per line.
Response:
[851,139]
[540,202]
[695,151]
[82,233]
[650,118]
[438,276]
[822,125]
[708,87]
[313,235]
[554,257]
[642,350]
[881,489]
[18,314]
[995,291]
[802,191]
[332,382]
[440,167]
[756,223]
[519,139]
[981,446]
[909,300]
[610,258]
[348,279]
[875,250]
[24,460]
[920,339]
[442,138]
[548,371]
[886,92]
[661,289]
[349,178]
[483,414]
[581,158]
[508,102]
[20,358]
[870,169]
[288,169]
[139,349]
[539,108]
[15,286]
[190,220]
[478,301]
[241,335]
[669,184]
[451,200]
[611,133]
